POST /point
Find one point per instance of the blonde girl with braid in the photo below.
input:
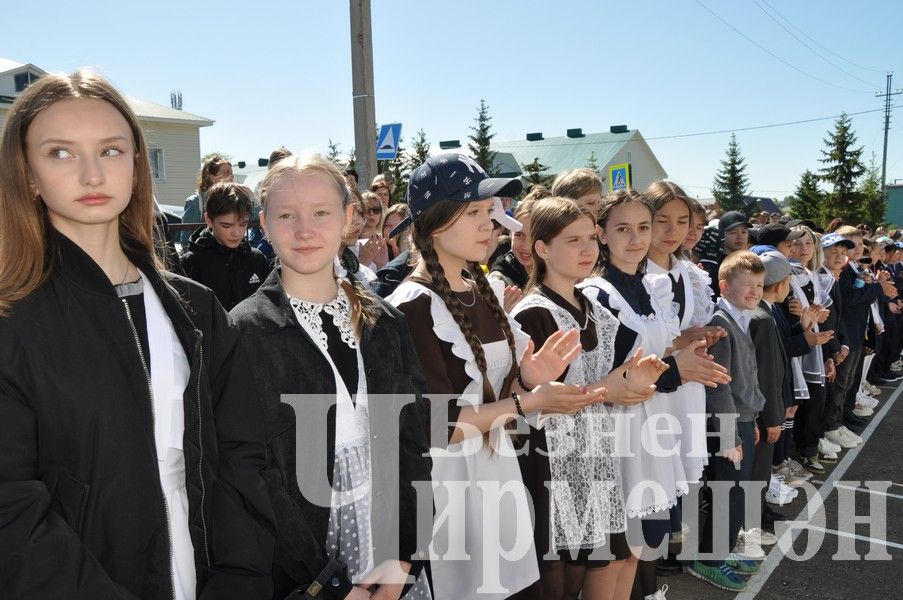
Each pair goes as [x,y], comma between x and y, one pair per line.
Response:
[482,367]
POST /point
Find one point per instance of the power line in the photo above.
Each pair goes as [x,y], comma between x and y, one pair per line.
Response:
[807,46]
[819,44]
[775,56]
[696,134]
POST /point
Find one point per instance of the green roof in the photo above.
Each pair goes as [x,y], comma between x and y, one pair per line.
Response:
[563,153]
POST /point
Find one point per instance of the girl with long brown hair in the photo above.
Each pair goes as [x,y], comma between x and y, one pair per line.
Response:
[653,480]
[481,366]
[568,486]
[130,458]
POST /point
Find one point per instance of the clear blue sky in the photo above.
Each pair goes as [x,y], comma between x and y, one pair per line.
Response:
[279,72]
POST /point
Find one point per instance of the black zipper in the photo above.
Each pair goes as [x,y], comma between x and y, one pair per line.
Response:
[150,398]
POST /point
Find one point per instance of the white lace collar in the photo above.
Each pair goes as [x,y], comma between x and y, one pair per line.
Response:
[308,315]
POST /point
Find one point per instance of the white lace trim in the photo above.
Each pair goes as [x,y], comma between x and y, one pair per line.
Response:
[701,286]
[661,296]
[587,500]
[308,315]
[447,330]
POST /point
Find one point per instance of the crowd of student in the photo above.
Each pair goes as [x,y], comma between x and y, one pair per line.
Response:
[601,357]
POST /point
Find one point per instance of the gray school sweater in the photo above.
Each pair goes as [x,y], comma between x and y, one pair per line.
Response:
[736,353]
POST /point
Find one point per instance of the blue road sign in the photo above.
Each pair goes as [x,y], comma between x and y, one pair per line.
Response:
[387,141]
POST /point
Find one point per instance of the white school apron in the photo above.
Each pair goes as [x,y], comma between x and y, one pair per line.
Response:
[464,555]
[652,471]
[687,403]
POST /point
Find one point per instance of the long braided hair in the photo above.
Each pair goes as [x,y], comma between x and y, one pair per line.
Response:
[437,218]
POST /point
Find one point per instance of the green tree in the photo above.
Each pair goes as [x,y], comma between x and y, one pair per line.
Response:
[731,184]
[481,139]
[873,199]
[593,163]
[533,173]
[420,151]
[351,161]
[333,153]
[843,168]
[807,200]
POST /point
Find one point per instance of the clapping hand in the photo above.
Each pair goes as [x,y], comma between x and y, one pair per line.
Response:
[560,349]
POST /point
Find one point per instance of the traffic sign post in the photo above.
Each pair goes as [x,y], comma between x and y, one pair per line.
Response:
[387,141]
[619,177]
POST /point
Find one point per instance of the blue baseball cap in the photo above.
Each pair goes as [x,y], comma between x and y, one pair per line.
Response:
[455,177]
[831,239]
[760,249]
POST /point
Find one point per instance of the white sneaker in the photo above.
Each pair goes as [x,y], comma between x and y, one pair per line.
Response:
[866,400]
[850,435]
[758,536]
[862,411]
[798,471]
[897,367]
[659,594]
[778,492]
[828,456]
[836,436]
[825,446]
[874,390]
[749,550]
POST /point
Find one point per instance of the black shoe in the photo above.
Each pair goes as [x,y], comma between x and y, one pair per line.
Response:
[770,514]
[666,567]
[851,420]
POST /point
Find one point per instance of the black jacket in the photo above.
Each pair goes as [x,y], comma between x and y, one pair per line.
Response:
[392,274]
[511,270]
[81,508]
[232,273]
[288,362]
[772,362]
[857,301]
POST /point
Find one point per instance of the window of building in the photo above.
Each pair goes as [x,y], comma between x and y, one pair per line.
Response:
[158,168]
[23,80]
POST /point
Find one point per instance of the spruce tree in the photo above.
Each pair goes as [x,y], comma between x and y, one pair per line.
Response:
[843,168]
[873,200]
[593,163]
[807,201]
[533,173]
[420,151]
[481,139]
[333,153]
[731,184]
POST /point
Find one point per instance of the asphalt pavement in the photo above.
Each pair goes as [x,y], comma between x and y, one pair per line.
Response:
[829,556]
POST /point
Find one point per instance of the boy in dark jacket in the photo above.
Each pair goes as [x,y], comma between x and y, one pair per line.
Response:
[219,256]
[775,378]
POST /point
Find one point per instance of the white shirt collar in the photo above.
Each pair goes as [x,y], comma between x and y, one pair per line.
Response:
[742,317]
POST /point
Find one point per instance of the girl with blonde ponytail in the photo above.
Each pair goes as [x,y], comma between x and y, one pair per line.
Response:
[483,369]
[313,332]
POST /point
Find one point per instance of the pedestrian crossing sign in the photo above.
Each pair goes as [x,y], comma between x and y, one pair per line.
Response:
[619,177]
[387,141]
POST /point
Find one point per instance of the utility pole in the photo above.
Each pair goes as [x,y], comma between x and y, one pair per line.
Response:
[362,91]
[887,96]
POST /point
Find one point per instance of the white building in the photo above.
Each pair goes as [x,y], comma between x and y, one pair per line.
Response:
[173,136]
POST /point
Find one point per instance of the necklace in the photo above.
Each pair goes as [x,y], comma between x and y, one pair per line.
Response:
[126,274]
[473,298]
